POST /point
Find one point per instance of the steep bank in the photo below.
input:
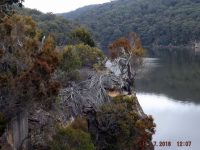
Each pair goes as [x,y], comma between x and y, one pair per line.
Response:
[42,123]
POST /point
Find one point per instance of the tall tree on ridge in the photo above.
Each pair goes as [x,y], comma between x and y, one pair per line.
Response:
[126,54]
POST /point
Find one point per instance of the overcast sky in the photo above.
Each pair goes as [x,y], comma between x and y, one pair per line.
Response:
[58,6]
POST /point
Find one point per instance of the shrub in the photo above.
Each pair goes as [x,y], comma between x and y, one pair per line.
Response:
[71,139]
[81,35]
[75,56]
[80,123]
[70,59]
[89,55]
[119,126]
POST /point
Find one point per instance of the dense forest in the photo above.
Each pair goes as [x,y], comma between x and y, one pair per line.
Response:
[158,22]
[49,23]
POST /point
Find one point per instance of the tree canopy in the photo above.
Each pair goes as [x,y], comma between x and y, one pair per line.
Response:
[26,65]
[6,6]
[80,35]
[51,24]
[157,22]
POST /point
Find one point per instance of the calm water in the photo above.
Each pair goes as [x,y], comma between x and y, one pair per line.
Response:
[169,90]
[175,120]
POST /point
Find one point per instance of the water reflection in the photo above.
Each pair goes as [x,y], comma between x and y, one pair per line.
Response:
[175,120]
[176,74]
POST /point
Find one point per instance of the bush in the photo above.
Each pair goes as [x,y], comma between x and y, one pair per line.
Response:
[75,56]
[119,126]
[89,55]
[81,35]
[80,123]
[70,59]
[71,139]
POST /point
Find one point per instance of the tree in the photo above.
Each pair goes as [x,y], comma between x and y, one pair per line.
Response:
[51,24]
[10,2]
[76,56]
[19,42]
[88,55]
[126,55]
[5,6]
[26,65]
[70,59]
[158,22]
[36,83]
[80,35]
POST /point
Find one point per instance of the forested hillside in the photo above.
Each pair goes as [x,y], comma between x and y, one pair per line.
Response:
[49,23]
[158,22]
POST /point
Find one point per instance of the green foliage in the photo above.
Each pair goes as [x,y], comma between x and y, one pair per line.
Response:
[36,82]
[51,24]
[70,59]
[128,100]
[75,56]
[157,22]
[89,55]
[26,65]
[71,139]
[6,6]
[19,41]
[80,35]
[119,126]
[65,77]
[10,2]
[69,63]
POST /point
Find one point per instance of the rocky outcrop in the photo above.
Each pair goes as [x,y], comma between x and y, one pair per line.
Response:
[16,135]
[42,125]
[85,98]
[33,129]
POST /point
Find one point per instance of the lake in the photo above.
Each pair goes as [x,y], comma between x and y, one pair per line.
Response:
[169,89]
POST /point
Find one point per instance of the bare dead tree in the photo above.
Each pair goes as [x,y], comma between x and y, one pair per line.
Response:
[90,93]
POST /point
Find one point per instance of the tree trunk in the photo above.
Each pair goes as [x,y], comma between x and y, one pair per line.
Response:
[17,132]
[129,80]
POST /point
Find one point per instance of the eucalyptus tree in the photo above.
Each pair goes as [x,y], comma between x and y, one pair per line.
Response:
[126,57]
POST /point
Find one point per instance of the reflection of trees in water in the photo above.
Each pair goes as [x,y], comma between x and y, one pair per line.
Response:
[178,76]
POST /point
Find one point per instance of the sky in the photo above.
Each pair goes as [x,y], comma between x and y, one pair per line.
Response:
[59,6]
